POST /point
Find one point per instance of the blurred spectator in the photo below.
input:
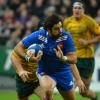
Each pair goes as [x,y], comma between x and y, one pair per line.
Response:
[56,3]
[29,28]
[14,4]
[32,25]
[15,36]
[93,7]
[3,7]
[23,13]
[68,5]
[7,26]
[35,22]
[20,32]
[49,10]
[30,14]
[63,12]
[23,18]
[29,3]
[97,18]
[37,8]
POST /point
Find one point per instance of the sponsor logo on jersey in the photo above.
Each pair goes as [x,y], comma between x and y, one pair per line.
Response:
[62,38]
[42,38]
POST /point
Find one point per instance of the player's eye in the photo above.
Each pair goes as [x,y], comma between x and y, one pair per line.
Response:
[77,7]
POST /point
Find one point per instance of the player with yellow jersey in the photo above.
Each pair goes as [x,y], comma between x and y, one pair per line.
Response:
[26,79]
[85,32]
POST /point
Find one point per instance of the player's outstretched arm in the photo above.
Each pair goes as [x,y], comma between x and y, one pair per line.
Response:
[77,77]
[89,42]
[19,68]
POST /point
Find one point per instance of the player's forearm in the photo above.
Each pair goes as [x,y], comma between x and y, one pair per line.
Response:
[70,58]
[16,64]
[75,72]
[20,50]
[94,40]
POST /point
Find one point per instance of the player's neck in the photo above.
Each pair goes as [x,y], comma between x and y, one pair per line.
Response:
[54,37]
[79,18]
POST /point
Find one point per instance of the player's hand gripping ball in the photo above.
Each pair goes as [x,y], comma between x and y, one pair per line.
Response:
[33,50]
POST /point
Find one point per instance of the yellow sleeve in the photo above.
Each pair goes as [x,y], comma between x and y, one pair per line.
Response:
[93,26]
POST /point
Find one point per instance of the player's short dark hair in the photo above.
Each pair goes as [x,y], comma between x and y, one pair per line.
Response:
[50,21]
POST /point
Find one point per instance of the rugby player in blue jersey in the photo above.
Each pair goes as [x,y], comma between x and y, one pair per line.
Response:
[58,53]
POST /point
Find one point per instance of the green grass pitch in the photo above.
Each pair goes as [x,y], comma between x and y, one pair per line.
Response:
[11,95]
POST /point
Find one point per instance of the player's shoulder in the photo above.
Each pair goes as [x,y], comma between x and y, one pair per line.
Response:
[65,33]
[41,31]
[68,19]
[88,18]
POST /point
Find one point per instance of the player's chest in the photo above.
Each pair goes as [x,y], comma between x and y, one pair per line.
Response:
[77,27]
[52,44]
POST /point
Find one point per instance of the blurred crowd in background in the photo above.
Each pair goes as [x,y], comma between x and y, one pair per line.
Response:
[19,18]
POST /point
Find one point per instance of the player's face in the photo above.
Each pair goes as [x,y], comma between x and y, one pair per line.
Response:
[78,11]
[56,30]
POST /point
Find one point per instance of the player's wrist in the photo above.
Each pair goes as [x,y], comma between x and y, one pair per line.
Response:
[68,60]
[64,58]
[19,70]
[78,79]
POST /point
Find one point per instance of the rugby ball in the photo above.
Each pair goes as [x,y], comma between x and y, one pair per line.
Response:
[35,49]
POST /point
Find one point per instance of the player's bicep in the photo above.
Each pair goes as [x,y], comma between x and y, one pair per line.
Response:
[93,26]
[20,49]
[69,45]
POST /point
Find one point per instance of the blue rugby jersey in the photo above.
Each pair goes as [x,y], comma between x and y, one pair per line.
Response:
[49,62]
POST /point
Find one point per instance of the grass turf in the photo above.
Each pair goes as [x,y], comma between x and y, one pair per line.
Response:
[11,95]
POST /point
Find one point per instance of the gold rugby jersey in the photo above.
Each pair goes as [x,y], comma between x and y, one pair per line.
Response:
[28,66]
[86,28]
